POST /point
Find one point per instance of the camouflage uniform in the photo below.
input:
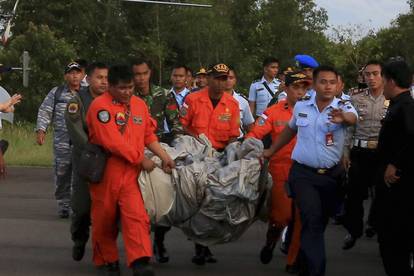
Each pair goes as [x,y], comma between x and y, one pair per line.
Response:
[53,111]
[164,109]
[81,202]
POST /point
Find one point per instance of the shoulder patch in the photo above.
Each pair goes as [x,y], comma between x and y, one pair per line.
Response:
[73,108]
[104,116]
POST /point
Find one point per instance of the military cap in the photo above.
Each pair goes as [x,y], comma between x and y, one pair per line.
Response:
[296,77]
[306,61]
[202,71]
[72,66]
[219,70]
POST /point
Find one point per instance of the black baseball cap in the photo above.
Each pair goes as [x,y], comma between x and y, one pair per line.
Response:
[218,70]
[296,77]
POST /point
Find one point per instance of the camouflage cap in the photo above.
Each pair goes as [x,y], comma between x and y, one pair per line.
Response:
[72,66]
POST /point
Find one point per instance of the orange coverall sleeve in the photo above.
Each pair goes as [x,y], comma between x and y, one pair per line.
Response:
[262,127]
[108,136]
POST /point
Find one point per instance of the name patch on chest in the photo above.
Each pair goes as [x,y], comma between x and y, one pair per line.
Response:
[225,117]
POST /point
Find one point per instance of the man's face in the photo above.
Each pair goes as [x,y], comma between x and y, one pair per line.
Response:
[325,85]
[308,72]
[122,91]
[231,81]
[142,75]
[271,70]
[296,91]
[98,80]
[340,86]
[189,78]
[372,76]
[217,84]
[201,81]
[178,78]
[73,77]
[388,88]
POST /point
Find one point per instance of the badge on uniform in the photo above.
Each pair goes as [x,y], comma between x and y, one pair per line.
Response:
[303,115]
[120,119]
[104,116]
[73,108]
[183,110]
[386,103]
[225,117]
[137,120]
[329,139]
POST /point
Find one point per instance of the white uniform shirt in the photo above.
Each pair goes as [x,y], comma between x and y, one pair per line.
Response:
[258,93]
[246,117]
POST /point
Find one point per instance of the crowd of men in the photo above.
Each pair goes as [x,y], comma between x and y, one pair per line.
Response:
[328,151]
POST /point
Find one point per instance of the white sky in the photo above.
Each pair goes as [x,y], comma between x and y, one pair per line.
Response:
[373,14]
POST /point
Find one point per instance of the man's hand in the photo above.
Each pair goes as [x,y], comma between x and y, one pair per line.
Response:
[2,166]
[337,116]
[40,138]
[148,165]
[167,164]
[15,99]
[346,162]
[390,176]
[267,153]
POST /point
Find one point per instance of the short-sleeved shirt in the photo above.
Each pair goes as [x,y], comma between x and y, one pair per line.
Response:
[246,117]
[180,97]
[258,93]
[219,124]
[312,128]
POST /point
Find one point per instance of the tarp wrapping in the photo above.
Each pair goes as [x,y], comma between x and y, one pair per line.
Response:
[212,196]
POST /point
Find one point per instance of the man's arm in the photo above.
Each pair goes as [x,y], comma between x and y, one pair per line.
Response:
[45,115]
[167,163]
[285,137]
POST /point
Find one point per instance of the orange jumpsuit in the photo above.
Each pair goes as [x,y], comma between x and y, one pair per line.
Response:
[118,193]
[219,124]
[273,120]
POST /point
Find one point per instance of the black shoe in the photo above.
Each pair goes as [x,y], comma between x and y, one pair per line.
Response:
[160,252]
[284,247]
[109,269]
[349,242]
[142,267]
[78,250]
[370,232]
[266,254]
[292,269]
[200,255]
[210,257]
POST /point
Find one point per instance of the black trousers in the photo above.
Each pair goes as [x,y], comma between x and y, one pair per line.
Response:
[361,178]
[81,206]
[395,225]
[317,197]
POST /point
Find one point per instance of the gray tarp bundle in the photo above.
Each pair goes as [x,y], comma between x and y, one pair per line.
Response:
[213,197]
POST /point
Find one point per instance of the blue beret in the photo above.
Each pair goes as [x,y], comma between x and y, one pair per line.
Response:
[306,61]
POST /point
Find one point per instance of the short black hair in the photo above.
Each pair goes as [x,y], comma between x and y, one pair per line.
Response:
[374,62]
[141,60]
[82,62]
[269,60]
[120,73]
[95,65]
[189,70]
[399,72]
[179,66]
[324,68]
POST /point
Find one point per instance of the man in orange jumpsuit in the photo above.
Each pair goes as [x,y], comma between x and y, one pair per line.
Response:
[215,114]
[274,120]
[121,124]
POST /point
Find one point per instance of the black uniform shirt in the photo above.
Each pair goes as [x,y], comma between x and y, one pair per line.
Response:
[396,138]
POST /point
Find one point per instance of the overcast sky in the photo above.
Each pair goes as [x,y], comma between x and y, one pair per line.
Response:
[374,14]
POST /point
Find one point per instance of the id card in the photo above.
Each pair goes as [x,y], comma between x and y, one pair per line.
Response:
[329,139]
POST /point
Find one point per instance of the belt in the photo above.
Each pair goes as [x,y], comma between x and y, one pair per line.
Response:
[365,144]
[321,171]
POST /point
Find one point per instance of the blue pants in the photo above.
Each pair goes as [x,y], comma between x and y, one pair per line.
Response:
[317,196]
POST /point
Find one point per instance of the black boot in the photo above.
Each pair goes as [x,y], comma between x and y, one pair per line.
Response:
[109,269]
[200,254]
[142,267]
[160,252]
[272,236]
[349,242]
[78,251]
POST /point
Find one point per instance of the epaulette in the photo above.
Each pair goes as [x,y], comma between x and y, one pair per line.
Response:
[343,102]
[305,98]
[357,91]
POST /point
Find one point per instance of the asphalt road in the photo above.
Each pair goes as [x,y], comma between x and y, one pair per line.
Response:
[34,241]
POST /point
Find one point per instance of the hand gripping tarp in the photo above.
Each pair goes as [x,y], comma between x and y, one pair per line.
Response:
[212,197]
